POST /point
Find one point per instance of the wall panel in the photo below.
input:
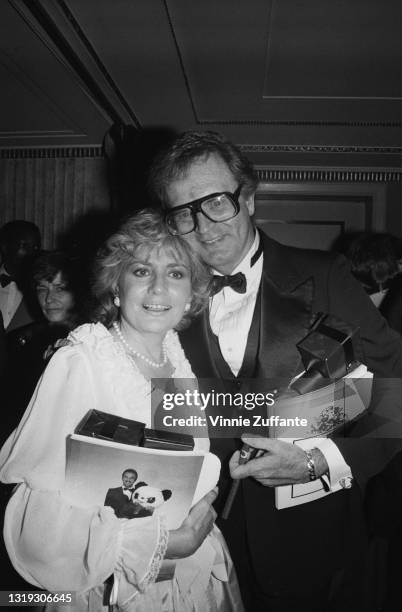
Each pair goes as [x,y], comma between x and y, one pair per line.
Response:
[54,189]
[314,215]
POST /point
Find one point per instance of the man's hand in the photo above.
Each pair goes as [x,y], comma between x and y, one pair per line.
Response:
[194,529]
[282,463]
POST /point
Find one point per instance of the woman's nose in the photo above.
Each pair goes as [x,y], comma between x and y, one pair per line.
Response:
[157,284]
[50,295]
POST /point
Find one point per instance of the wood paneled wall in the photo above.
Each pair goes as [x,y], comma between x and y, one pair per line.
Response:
[54,188]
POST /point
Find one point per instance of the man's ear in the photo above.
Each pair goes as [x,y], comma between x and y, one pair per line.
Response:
[250,203]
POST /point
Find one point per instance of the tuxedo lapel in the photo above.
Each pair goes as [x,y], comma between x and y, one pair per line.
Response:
[286,302]
[196,344]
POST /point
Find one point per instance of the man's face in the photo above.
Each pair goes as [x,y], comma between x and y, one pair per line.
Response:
[221,245]
[20,249]
[129,479]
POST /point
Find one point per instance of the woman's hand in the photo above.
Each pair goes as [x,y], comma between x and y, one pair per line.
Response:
[184,541]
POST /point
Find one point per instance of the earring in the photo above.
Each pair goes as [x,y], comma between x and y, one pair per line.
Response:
[116,301]
[187,307]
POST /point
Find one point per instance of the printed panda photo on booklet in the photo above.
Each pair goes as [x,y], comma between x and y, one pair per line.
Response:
[95,466]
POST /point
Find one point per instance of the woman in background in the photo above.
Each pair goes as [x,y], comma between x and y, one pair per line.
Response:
[60,292]
[148,283]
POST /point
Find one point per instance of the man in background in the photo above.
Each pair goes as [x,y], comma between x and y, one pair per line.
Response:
[20,241]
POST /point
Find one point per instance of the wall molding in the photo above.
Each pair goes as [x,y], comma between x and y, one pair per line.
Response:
[91,151]
[274,148]
[303,123]
[56,27]
[329,175]
[266,173]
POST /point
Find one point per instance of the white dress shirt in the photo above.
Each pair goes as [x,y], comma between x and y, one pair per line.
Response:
[128,493]
[10,299]
[230,316]
[231,312]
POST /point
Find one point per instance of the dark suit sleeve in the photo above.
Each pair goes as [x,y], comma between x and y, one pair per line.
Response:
[2,347]
[109,501]
[391,307]
[378,435]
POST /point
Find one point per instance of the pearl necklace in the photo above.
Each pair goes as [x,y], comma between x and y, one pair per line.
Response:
[153,364]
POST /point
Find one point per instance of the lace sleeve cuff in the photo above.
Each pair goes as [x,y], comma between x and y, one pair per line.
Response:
[143,547]
[157,557]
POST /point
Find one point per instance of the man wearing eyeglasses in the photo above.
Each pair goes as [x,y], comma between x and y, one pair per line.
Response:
[265,297]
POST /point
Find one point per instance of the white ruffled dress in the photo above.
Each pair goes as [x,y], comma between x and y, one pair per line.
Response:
[57,546]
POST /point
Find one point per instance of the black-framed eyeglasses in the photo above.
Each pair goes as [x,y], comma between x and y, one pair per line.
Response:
[217,207]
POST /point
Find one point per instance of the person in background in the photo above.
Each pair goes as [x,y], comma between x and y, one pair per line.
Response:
[147,284]
[20,242]
[307,557]
[375,262]
[61,295]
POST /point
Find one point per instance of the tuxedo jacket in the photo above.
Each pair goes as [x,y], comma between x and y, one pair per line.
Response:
[391,306]
[2,347]
[297,284]
[25,347]
[117,500]
[24,315]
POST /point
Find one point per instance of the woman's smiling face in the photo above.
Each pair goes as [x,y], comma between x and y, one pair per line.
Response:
[154,290]
[55,299]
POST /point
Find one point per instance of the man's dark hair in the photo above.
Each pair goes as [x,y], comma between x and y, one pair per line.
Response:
[13,231]
[130,470]
[374,257]
[173,162]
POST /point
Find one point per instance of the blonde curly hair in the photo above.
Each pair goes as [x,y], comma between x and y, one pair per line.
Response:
[145,229]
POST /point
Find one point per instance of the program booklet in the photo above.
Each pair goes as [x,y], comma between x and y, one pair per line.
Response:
[326,411]
[171,482]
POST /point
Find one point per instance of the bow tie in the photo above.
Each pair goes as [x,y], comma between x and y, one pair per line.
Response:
[237,282]
[5,279]
[127,489]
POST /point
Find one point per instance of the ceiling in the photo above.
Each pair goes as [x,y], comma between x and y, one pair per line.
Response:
[292,81]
